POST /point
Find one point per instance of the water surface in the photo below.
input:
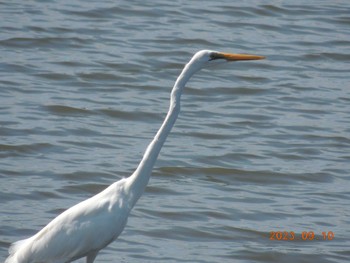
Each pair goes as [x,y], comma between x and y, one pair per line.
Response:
[259,146]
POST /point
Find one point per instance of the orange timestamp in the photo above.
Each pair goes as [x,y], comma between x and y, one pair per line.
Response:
[304,236]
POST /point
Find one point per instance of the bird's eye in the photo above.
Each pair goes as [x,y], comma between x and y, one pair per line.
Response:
[213,56]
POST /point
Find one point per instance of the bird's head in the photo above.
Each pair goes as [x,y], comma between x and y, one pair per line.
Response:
[206,58]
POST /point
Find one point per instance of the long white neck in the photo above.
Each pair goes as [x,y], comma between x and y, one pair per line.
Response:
[139,179]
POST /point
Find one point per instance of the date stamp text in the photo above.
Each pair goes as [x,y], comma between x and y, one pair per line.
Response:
[304,236]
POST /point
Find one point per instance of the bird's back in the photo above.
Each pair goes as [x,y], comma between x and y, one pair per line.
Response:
[88,226]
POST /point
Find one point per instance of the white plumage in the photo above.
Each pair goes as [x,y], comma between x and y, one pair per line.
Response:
[84,229]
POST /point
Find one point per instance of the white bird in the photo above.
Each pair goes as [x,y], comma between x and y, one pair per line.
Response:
[86,228]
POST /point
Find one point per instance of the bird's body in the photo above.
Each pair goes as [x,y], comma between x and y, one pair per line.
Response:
[84,229]
[80,231]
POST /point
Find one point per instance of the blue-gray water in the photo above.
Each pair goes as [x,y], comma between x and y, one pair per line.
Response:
[259,146]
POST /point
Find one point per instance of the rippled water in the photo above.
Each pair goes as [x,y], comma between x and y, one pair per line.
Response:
[258,147]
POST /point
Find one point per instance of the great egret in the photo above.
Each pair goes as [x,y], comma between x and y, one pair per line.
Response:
[84,229]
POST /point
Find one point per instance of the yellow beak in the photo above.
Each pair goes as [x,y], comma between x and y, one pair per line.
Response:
[237,57]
